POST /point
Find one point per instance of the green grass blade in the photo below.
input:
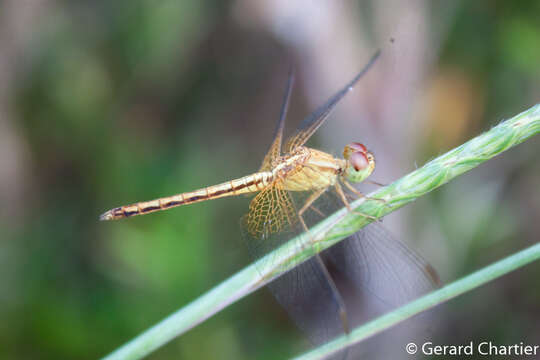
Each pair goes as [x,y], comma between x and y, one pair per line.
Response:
[428,301]
[335,228]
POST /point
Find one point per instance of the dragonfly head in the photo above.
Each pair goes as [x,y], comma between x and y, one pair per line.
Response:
[360,162]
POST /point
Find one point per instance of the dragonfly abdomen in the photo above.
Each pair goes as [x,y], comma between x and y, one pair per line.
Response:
[243,185]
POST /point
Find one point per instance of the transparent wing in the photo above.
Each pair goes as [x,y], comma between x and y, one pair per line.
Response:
[373,271]
[275,148]
[271,221]
[310,124]
[307,297]
[270,212]
[304,291]
[381,268]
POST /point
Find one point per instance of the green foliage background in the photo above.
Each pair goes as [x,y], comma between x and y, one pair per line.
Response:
[118,102]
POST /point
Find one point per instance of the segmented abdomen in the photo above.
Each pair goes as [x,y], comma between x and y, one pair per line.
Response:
[243,185]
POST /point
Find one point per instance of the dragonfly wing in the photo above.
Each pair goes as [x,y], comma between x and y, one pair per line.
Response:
[304,291]
[307,297]
[270,212]
[271,221]
[310,124]
[373,272]
[381,269]
[275,148]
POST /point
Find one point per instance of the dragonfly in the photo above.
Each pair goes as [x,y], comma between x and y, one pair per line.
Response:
[290,184]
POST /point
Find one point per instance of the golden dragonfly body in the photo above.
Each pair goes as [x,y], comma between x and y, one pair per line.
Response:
[305,169]
[297,169]
[300,168]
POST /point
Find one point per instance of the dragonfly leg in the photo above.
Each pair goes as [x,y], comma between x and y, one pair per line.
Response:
[375,183]
[335,292]
[360,194]
[310,200]
[341,194]
[342,310]
[319,212]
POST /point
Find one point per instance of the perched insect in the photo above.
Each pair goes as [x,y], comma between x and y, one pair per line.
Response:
[371,261]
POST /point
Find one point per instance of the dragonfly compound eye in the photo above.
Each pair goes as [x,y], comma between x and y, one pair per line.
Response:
[352,148]
[359,161]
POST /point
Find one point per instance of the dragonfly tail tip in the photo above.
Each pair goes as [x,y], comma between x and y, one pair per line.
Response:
[106,216]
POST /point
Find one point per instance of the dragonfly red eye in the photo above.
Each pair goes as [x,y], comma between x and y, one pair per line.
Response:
[359,161]
[352,148]
[358,147]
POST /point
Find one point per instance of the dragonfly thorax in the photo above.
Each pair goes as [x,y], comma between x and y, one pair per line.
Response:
[289,163]
[308,169]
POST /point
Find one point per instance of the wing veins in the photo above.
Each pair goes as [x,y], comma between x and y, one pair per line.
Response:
[311,123]
[275,148]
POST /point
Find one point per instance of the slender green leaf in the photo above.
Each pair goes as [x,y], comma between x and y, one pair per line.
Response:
[337,227]
[428,301]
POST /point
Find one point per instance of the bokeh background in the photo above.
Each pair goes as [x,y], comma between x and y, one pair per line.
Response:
[105,103]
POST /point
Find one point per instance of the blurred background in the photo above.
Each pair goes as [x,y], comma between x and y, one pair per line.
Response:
[106,103]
